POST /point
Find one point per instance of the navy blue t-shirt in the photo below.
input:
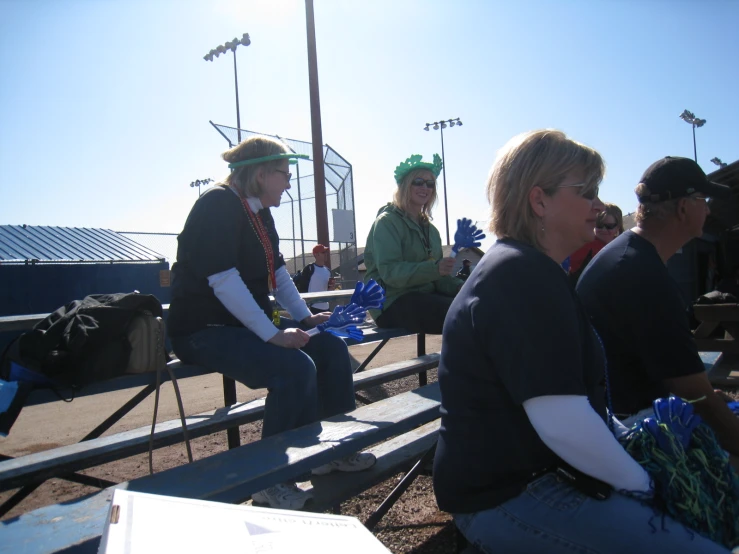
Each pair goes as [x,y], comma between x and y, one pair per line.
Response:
[636,307]
[218,236]
[515,331]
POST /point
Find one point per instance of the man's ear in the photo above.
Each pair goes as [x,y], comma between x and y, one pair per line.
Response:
[681,210]
[537,200]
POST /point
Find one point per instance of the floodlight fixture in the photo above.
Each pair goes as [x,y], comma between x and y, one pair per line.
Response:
[689,117]
[441,125]
[200,182]
[222,49]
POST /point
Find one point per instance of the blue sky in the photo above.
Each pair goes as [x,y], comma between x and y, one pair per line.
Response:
[104,104]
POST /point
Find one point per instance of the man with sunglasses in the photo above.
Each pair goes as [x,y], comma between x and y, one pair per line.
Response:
[637,307]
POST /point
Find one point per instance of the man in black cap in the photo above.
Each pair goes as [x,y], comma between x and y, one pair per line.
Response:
[637,308]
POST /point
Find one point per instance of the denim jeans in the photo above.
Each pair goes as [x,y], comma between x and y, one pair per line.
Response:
[550,516]
[303,385]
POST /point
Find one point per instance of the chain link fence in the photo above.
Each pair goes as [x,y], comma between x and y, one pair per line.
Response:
[295,219]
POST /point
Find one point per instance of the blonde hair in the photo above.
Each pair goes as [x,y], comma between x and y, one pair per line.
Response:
[615,212]
[653,212]
[244,178]
[535,159]
[402,195]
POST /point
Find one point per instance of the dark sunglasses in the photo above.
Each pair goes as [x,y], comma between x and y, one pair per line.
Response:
[417,182]
[609,226]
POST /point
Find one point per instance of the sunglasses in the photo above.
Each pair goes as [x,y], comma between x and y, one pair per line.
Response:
[588,194]
[418,182]
[608,226]
[285,173]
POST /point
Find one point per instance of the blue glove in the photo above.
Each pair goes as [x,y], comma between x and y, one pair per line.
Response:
[344,316]
[351,332]
[467,235]
[678,416]
[734,407]
[369,296]
[652,427]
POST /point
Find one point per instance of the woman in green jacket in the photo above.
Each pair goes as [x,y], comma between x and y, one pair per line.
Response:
[403,253]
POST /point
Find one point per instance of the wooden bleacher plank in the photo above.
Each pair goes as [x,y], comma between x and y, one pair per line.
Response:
[44,465]
[397,454]
[728,346]
[122,382]
[230,476]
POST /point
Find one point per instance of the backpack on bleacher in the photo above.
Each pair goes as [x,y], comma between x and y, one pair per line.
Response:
[303,276]
[88,340]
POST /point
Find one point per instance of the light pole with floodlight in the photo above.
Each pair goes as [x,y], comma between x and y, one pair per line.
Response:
[440,126]
[198,182]
[689,117]
[222,49]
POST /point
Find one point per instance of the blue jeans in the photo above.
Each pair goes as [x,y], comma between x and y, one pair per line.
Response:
[304,385]
[550,516]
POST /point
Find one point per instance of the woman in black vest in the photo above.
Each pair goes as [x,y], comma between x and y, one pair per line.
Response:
[221,317]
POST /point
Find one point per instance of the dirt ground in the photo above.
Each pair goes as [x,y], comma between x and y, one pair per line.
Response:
[413,525]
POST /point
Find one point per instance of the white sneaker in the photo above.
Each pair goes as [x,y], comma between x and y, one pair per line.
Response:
[350,464]
[285,496]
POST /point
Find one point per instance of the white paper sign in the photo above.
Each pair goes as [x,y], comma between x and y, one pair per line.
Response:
[140,523]
[344,230]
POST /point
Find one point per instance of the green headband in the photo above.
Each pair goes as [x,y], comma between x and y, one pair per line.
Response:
[414,162]
[291,156]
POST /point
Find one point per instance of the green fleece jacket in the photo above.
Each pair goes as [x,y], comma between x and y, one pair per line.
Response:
[397,257]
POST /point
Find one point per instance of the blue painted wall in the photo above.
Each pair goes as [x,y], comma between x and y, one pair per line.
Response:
[41,288]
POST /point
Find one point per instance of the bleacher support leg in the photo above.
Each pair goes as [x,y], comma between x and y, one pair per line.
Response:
[400,488]
[229,399]
[119,413]
[421,351]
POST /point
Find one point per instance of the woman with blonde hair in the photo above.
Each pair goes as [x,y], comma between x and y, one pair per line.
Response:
[527,458]
[221,316]
[403,253]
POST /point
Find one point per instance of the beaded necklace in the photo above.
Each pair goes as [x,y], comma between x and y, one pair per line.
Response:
[257,225]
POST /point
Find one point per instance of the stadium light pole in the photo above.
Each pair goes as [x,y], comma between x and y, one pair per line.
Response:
[718,162]
[222,49]
[440,126]
[689,117]
[198,182]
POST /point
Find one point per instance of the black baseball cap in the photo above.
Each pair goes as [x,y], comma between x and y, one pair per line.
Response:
[674,177]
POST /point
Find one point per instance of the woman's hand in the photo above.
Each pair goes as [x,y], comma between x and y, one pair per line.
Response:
[290,338]
[446,265]
[316,319]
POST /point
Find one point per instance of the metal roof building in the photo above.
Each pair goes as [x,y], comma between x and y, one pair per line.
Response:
[24,244]
[43,268]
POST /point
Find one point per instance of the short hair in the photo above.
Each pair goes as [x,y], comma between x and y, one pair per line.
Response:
[655,212]
[615,212]
[402,195]
[244,178]
[541,158]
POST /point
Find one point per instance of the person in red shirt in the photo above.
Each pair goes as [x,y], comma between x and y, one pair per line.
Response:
[608,225]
